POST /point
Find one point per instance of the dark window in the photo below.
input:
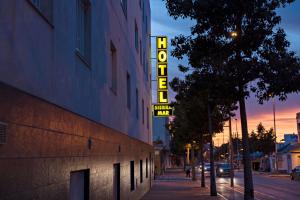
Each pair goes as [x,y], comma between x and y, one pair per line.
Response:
[128,91]
[45,8]
[124,7]
[114,78]
[144,61]
[137,103]
[143,111]
[132,175]
[146,20]
[83,37]
[79,185]
[136,36]
[141,55]
[141,171]
[117,182]
[146,167]
[147,118]
[3,136]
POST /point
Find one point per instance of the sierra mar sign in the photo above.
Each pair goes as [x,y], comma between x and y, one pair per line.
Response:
[162,108]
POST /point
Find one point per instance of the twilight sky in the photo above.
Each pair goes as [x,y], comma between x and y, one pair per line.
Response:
[163,24]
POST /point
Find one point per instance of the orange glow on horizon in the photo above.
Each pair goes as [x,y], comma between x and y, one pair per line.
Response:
[285,123]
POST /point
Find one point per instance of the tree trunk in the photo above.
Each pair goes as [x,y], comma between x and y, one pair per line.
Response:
[202,164]
[193,163]
[248,182]
[213,188]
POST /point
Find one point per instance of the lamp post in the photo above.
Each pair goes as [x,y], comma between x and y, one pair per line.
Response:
[274,121]
[230,153]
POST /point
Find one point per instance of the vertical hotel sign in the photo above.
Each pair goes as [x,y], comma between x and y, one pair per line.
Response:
[162,108]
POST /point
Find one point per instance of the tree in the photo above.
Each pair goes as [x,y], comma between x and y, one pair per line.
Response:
[262,140]
[199,111]
[239,41]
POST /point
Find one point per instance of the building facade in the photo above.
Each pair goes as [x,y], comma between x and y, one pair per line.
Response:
[161,142]
[75,99]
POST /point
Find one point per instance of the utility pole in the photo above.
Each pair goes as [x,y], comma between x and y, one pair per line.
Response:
[237,145]
[274,120]
[231,154]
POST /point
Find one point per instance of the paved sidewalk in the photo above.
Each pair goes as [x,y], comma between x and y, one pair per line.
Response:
[175,186]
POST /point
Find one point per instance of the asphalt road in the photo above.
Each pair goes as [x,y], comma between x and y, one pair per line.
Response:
[266,187]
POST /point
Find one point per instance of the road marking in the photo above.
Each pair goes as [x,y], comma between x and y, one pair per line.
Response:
[239,191]
[222,196]
[255,191]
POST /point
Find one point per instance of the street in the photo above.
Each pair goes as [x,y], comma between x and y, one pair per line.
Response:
[174,185]
[266,187]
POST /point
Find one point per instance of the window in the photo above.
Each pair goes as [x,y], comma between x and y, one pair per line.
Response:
[147,118]
[124,7]
[114,78]
[146,167]
[136,37]
[143,116]
[45,8]
[128,91]
[84,30]
[144,62]
[137,103]
[79,185]
[132,175]
[141,171]
[143,12]
[3,135]
[146,24]
[141,55]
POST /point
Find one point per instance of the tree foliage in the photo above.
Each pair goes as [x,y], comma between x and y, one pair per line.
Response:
[262,140]
[238,44]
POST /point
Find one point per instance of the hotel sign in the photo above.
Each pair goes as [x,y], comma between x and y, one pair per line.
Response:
[162,108]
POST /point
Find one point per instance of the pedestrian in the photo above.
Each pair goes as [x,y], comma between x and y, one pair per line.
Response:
[188,173]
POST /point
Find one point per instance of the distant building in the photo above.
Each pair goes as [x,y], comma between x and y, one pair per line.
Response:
[290,138]
[288,156]
[160,131]
[75,99]
[161,142]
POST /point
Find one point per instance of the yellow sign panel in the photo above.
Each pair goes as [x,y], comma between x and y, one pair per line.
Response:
[162,69]
[162,109]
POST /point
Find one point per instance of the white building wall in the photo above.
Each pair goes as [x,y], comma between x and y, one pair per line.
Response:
[40,59]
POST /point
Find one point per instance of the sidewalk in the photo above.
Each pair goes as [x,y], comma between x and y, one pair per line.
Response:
[175,186]
[271,174]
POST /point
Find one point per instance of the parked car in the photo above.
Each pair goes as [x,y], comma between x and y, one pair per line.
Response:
[295,175]
[206,167]
[223,169]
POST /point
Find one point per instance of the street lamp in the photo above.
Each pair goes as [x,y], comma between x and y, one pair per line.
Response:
[233,34]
